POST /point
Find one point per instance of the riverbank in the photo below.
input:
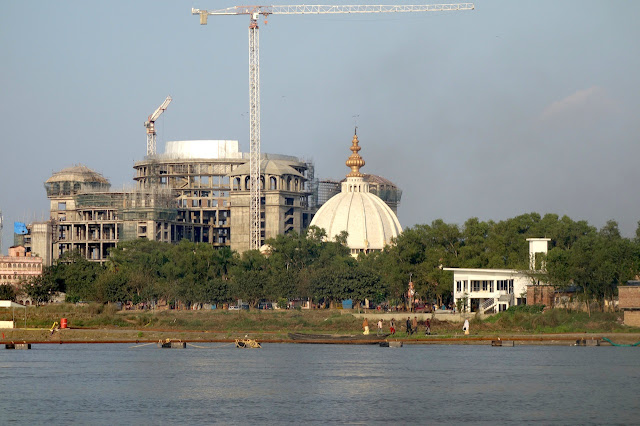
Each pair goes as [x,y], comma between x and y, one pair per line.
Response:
[75,336]
[105,324]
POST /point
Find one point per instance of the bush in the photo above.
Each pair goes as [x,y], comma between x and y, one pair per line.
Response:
[528,309]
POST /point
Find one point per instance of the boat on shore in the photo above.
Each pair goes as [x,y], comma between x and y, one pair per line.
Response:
[338,338]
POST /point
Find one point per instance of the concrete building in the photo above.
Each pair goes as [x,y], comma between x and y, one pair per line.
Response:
[495,290]
[284,200]
[200,174]
[38,241]
[184,193]
[84,214]
[369,222]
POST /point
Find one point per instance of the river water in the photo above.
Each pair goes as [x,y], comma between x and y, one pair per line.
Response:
[289,383]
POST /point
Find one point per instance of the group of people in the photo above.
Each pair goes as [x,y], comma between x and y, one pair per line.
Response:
[411,326]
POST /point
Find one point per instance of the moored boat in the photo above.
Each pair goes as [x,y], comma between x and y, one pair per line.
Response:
[337,338]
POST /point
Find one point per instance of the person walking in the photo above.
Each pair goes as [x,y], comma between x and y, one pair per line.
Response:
[409,326]
[427,329]
[379,327]
[365,326]
[392,326]
[465,327]
[414,325]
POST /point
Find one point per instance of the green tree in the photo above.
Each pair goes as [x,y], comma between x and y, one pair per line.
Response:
[41,288]
[7,292]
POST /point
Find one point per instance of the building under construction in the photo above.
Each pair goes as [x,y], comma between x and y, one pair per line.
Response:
[185,193]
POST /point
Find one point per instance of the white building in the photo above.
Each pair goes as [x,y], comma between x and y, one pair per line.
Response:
[495,290]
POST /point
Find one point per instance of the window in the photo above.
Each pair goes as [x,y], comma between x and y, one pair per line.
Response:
[475,285]
[62,206]
[505,285]
[458,286]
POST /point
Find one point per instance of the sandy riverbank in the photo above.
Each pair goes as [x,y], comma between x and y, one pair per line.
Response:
[70,336]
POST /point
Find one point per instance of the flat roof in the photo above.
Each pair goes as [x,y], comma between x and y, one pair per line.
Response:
[479,270]
[10,304]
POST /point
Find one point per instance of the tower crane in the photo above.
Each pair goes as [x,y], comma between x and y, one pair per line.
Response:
[150,125]
[254,13]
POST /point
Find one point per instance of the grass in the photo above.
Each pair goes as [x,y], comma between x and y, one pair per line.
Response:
[526,320]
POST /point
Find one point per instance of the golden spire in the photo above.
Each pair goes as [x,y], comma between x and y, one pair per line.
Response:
[355,161]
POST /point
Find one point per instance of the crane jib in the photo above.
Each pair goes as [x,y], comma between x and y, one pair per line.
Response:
[255,237]
[328,9]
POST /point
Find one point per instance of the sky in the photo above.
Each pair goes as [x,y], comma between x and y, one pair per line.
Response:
[511,108]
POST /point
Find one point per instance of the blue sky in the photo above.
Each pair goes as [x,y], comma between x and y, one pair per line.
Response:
[510,108]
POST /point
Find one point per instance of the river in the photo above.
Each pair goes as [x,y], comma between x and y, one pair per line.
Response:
[294,383]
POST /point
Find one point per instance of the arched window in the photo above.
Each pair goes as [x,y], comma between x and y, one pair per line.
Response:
[289,183]
[246,183]
[273,183]
[236,184]
[262,183]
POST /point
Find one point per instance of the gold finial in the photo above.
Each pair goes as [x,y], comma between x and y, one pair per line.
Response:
[355,161]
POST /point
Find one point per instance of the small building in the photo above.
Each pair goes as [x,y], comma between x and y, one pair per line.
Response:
[19,266]
[629,302]
[495,290]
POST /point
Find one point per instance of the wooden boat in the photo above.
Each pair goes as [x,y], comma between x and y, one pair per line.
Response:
[247,343]
[338,338]
[172,344]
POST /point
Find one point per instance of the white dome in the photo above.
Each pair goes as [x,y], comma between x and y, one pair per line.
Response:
[369,221]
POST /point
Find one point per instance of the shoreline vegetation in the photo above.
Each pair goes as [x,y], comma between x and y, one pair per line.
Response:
[98,323]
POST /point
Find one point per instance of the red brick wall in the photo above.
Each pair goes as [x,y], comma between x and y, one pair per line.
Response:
[628,297]
[540,295]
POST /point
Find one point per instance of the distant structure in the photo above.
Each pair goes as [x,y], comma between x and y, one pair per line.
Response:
[19,233]
[18,267]
[200,173]
[185,193]
[370,223]
[327,188]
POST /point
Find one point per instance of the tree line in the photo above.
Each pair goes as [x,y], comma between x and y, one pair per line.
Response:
[306,266]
